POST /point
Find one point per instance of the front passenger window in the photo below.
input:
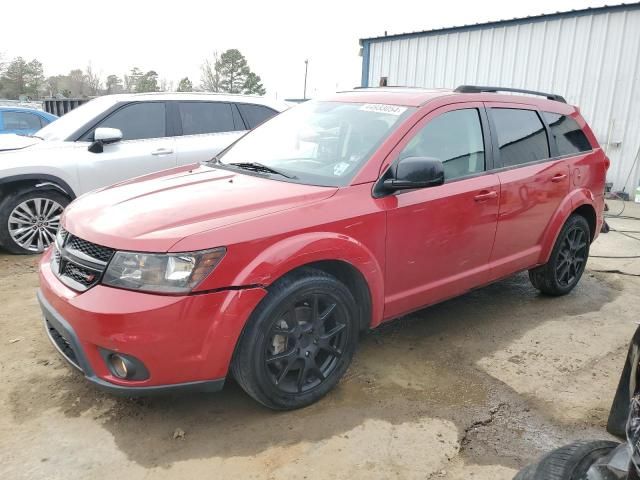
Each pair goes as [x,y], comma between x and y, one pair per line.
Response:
[454,138]
[137,121]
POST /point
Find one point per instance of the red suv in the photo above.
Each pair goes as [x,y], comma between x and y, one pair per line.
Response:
[267,262]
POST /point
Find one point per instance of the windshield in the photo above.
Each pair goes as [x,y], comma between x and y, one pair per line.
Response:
[66,125]
[318,143]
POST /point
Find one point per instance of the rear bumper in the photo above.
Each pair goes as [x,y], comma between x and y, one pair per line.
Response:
[184,342]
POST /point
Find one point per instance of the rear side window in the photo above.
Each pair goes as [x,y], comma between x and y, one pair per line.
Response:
[254,115]
[521,136]
[206,117]
[454,138]
[21,121]
[138,121]
[570,139]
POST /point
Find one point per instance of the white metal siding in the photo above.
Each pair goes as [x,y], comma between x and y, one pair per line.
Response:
[592,60]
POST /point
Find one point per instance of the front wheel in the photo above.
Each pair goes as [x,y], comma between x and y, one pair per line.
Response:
[29,220]
[567,261]
[299,341]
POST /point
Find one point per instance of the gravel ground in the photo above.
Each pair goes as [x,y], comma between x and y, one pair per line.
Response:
[475,387]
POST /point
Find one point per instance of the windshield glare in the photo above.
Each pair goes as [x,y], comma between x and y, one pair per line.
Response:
[66,125]
[319,143]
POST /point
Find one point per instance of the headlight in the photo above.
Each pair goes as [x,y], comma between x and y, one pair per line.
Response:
[165,273]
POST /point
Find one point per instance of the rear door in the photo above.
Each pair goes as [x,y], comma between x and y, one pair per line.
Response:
[144,148]
[206,129]
[532,185]
[439,239]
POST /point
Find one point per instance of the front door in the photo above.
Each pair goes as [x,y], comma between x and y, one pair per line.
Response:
[144,148]
[439,239]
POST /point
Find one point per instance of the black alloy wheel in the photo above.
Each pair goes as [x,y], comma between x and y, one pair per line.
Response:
[299,341]
[305,343]
[567,261]
[572,256]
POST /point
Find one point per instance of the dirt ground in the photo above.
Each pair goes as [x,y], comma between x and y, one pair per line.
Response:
[473,388]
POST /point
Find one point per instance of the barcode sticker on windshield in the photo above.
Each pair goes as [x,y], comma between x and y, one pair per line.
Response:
[383,108]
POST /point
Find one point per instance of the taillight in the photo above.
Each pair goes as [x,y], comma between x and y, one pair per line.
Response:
[607,163]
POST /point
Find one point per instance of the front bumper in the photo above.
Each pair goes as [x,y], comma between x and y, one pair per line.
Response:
[185,342]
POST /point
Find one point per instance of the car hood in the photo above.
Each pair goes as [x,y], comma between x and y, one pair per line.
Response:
[153,212]
[11,141]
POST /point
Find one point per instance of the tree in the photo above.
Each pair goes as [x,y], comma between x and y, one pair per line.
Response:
[233,71]
[230,73]
[113,84]
[22,78]
[185,85]
[94,84]
[210,74]
[148,82]
[252,85]
[131,80]
[77,83]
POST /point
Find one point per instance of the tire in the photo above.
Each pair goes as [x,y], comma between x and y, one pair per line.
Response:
[287,356]
[570,462]
[22,230]
[567,260]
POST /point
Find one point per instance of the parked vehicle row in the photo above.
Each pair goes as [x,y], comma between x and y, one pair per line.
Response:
[267,262]
[108,140]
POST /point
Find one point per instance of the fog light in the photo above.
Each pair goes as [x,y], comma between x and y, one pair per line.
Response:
[121,366]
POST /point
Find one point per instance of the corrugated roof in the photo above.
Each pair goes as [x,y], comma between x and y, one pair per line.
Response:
[512,21]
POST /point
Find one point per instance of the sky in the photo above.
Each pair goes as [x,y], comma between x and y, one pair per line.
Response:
[173,38]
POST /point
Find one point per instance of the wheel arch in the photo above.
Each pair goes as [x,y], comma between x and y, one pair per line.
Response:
[14,182]
[341,256]
[579,201]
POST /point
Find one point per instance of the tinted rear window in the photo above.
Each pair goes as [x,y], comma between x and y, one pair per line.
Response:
[206,117]
[254,115]
[570,138]
[521,136]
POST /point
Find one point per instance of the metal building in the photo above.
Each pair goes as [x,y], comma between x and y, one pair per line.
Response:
[591,57]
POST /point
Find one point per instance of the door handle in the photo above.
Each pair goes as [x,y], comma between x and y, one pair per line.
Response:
[162,151]
[558,177]
[485,195]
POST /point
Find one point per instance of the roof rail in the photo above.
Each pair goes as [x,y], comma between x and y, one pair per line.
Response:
[477,89]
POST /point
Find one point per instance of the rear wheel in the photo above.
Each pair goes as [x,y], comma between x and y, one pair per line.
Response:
[570,462]
[29,220]
[299,341]
[567,261]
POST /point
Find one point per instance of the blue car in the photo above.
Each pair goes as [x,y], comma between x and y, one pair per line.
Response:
[23,121]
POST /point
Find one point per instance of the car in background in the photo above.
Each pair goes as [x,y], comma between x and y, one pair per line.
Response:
[108,140]
[23,121]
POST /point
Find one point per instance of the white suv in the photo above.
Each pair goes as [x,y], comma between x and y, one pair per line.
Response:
[107,140]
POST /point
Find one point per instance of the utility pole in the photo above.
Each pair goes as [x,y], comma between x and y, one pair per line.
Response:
[306,65]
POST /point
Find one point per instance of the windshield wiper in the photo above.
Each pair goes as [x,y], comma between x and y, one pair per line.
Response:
[259,167]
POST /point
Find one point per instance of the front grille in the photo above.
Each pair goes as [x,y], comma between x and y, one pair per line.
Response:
[64,347]
[82,275]
[92,250]
[78,263]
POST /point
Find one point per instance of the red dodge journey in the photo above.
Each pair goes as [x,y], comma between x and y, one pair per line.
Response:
[267,262]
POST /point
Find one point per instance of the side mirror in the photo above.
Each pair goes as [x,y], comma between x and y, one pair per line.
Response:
[414,172]
[104,136]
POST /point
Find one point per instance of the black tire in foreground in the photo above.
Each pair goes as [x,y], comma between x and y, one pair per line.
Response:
[567,261]
[570,462]
[29,219]
[298,342]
